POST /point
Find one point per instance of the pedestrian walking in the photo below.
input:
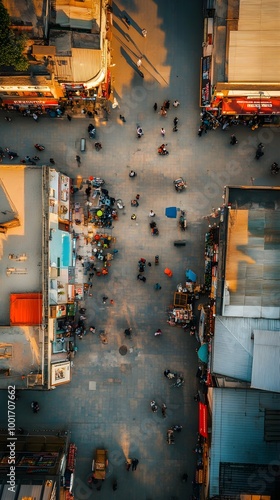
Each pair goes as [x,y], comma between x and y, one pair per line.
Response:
[155,106]
[8,119]
[78,160]
[52,161]
[162,131]
[144,32]
[163,410]
[112,302]
[133,217]
[104,299]
[233,140]
[152,213]
[115,485]
[134,203]
[200,130]
[69,118]
[137,196]
[141,278]
[132,173]
[175,121]
[157,286]
[176,104]
[139,62]
[158,332]
[128,464]
[92,329]
[135,463]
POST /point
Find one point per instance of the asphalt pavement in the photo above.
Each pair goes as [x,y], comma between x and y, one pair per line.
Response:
[107,403]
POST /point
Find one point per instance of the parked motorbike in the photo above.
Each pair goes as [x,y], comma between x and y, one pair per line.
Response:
[183,221]
[35,406]
[259,152]
[170,436]
[11,154]
[162,150]
[97,181]
[154,406]
[120,204]
[180,184]
[177,428]
[170,375]
[91,131]
[39,147]
[274,169]
[179,382]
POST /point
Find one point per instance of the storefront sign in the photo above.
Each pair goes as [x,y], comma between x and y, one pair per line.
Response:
[60,373]
[205,92]
[203,420]
[248,106]
[27,102]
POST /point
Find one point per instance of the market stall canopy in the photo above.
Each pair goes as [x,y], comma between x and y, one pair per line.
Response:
[203,353]
[191,276]
[171,212]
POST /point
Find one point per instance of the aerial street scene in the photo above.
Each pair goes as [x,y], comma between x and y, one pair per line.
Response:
[139,250]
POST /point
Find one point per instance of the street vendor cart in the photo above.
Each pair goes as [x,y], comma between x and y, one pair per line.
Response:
[99,464]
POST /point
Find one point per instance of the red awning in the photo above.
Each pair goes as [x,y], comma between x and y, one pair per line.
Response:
[25,309]
[203,420]
[245,106]
[29,101]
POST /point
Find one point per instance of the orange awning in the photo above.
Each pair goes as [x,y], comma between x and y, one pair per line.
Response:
[25,309]
[203,420]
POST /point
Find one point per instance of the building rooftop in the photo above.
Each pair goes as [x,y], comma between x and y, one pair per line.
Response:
[244,349]
[252,267]
[255,45]
[243,440]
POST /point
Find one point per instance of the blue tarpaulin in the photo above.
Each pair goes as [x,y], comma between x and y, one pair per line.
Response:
[171,212]
[191,276]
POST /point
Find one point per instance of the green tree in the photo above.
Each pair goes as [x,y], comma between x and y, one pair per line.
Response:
[11,46]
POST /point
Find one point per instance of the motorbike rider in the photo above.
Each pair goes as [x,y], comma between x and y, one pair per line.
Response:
[139,132]
[274,168]
[259,151]
[154,406]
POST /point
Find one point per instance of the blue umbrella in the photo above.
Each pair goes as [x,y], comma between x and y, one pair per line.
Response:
[203,353]
[171,212]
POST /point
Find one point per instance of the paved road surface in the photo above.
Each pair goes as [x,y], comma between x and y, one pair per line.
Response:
[108,401]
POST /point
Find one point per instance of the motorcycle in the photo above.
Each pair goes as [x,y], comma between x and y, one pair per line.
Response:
[156,260]
[259,152]
[170,375]
[180,184]
[177,428]
[170,436]
[11,154]
[179,382]
[183,221]
[274,169]
[39,147]
[139,131]
[154,229]
[162,150]
[91,131]
[97,181]
[154,406]
[120,204]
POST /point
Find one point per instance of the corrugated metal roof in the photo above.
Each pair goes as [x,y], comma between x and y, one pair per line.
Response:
[266,365]
[86,64]
[257,41]
[238,430]
[233,348]
[252,272]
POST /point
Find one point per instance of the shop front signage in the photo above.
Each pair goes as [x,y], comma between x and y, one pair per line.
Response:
[205,91]
[28,102]
[251,106]
[203,420]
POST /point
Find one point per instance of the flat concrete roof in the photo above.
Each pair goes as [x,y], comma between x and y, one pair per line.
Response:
[21,246]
